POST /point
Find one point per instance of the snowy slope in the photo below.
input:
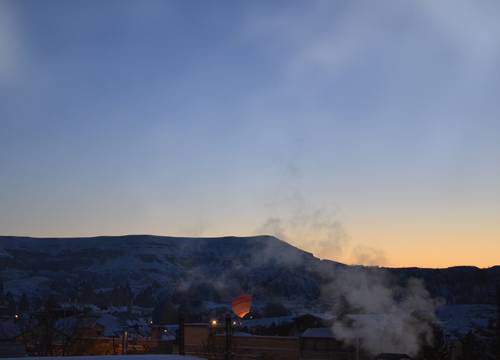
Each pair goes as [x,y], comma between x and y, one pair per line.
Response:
[42,266]
[99,269]
[458,320]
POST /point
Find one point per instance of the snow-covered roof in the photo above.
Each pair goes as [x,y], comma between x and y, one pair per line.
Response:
[325,333]
[278,320]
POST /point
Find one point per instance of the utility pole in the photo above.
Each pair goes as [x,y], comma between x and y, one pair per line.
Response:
[229,331]
[182,350]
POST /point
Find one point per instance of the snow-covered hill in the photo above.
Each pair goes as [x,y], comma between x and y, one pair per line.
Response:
[209,267]
[150,269]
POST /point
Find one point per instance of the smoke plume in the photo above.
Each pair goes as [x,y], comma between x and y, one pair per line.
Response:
[381,315]
[368,256]
[316,231]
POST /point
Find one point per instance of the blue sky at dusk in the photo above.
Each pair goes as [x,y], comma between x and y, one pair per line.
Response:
[367,132]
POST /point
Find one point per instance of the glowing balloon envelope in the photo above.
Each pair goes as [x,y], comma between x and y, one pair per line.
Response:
[241,305]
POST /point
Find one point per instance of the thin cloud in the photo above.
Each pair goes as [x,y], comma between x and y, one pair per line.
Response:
[10,45]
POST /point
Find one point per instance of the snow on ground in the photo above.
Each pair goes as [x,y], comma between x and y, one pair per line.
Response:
[113,357]
[21,282]
[4,253]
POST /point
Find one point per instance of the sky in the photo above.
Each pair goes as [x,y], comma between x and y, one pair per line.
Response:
[361,131]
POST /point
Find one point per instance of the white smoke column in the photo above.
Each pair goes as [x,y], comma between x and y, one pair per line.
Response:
[368,256]
[316,231]
[383,316]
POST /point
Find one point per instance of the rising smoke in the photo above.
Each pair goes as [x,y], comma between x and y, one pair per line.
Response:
[315,231]
[369,256]
[371,308]
[381,315]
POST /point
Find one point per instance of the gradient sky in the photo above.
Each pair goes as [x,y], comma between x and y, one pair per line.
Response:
[363,131]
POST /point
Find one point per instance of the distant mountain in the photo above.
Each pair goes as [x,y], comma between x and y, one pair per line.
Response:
[457,285]
[148,269]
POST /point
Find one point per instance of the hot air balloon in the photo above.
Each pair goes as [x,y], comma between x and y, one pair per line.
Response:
[241,305]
